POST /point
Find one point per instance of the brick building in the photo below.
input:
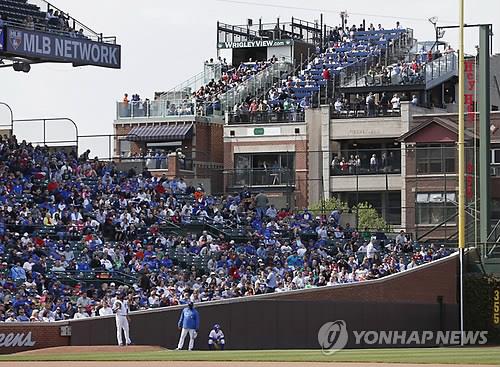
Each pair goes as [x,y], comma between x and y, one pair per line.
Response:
[186,146]
[413,183]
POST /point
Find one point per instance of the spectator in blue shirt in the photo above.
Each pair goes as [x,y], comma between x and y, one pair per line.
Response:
[21,317]
[18,274]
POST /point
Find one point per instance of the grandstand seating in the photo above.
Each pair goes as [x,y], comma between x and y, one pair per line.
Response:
[18,10]
[363,47]
[65,228]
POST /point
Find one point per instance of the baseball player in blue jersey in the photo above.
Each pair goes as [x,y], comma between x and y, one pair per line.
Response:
[189,323]
[216,338]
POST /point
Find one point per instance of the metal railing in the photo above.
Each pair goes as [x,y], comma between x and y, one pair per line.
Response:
[360,110]
[158,108]
[447,63]
[257,85]
[362,73]
[191,85]
[43,25]
[366,162]
[169,104]
[246,117]
[260,177]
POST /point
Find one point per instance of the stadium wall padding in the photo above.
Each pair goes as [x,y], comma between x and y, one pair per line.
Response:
[403,302]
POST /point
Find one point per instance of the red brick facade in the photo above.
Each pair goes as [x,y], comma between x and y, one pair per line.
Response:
[43,335]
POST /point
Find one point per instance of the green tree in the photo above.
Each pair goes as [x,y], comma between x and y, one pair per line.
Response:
[369,217]
[327,206]
[366,215]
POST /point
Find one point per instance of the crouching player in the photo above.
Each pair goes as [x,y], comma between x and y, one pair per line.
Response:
[216,338]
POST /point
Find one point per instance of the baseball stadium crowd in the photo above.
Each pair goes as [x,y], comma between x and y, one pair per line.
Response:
[63,216]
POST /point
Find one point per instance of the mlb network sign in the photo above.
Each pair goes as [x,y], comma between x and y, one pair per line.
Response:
[251,44]
[47,46]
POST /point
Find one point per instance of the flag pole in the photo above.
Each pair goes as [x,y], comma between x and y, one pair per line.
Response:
[461,163]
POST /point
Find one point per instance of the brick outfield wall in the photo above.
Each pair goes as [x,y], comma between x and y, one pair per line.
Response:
[408,301]
[43,335]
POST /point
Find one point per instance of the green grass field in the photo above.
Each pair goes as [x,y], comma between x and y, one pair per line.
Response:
[482,355]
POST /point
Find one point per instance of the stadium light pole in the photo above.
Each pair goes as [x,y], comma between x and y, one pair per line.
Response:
[461,164]
[11,116]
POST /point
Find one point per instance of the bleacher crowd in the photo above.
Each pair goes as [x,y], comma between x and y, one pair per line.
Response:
[29,16]
[65,218]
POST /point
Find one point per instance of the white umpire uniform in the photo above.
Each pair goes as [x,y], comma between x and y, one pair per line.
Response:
[121,315]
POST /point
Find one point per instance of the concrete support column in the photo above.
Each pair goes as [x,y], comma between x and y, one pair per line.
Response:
[406,118]
[325,148]
[173,166]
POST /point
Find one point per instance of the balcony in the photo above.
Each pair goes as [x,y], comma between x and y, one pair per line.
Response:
[164,109]
[366,170]
[265,117]
[281,177]
[375,182]
[154,164]
[353,111]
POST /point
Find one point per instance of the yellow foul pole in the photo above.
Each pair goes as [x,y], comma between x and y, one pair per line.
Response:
[461,162]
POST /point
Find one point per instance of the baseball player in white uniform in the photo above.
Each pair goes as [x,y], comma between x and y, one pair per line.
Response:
[216,338]
[120,307]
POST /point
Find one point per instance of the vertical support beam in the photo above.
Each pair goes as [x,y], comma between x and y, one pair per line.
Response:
[461,165]
[321,35]
[484,133]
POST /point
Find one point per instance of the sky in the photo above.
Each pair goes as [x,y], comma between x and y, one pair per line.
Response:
[166,42]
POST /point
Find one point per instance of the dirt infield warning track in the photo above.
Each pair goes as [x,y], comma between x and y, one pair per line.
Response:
[92,349]
[212,364]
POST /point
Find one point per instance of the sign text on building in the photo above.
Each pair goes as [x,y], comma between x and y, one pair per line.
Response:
[249,44]
[496,307]
[48,47]
[16,340]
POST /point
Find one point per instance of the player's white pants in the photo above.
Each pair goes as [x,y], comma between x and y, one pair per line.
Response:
[122,323]
[184,333]
[221,341]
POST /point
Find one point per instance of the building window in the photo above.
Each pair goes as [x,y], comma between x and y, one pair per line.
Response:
[125,148]
[436,158]
[495,156]
[435,207]
[264,169]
